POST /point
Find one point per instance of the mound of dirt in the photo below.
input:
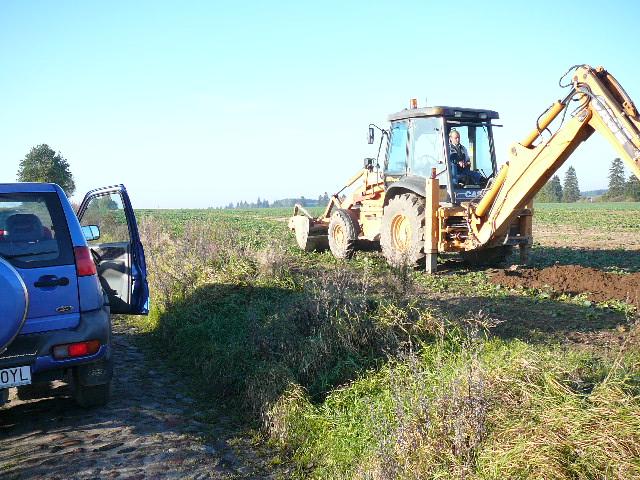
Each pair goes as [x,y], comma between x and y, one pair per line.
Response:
[573,280]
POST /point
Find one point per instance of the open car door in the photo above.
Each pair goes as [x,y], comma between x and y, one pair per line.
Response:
[116,248]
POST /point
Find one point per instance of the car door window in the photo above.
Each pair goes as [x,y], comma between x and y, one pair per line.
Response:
[107,212]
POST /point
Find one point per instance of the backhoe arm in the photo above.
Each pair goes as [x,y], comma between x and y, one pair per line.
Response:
[603,106]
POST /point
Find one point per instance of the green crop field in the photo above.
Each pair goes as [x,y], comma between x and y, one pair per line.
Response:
[357,370]
[607,216]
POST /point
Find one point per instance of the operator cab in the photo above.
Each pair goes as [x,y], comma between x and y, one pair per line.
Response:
[419,142]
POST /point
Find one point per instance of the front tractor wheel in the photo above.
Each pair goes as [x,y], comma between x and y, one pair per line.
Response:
[402,231]
[343,234]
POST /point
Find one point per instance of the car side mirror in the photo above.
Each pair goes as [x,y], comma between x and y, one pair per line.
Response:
[371,136]
[91,232]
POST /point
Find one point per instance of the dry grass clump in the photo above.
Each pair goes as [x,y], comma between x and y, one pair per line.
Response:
[202,253]
[179,262]
[438,420]
[548,425]
[274,260]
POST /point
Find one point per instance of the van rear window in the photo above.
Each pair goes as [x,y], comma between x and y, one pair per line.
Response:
[33,230]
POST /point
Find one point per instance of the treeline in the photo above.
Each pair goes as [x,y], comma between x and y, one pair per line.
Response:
[620,188]
[284,202]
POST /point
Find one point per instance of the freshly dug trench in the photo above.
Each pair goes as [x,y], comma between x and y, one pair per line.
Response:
[573,280]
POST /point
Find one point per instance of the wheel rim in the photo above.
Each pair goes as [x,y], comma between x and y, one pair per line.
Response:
[338,234]
[401,233]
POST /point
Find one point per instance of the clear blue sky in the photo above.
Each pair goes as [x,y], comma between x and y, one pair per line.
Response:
[198,104]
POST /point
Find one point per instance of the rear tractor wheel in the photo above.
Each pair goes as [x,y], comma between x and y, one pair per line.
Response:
[402,231]
[343,234]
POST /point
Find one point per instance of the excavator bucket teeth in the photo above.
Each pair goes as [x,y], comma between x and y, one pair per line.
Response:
[310,235]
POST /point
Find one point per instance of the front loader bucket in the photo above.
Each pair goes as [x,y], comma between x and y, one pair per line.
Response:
[311,234]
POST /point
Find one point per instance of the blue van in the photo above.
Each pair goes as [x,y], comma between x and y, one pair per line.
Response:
[61,277]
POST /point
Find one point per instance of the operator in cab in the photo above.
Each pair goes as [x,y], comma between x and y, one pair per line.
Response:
[461,164]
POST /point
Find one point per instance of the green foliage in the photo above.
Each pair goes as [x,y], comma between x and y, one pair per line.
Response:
[610,217]
[616,181]
[42,164]
[551,192]
[571,191]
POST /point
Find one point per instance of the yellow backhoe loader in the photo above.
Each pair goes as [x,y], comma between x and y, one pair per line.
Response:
[431,196]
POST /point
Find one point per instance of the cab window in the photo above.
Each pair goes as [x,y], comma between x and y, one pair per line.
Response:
[427,151]
[476,140]
[483,160]
[397,156]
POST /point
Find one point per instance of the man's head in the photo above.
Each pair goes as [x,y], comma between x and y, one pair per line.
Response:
[454,137]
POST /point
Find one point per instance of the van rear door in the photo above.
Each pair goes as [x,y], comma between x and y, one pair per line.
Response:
[117,250]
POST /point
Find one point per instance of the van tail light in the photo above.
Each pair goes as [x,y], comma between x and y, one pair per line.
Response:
[84,262]
[80,349]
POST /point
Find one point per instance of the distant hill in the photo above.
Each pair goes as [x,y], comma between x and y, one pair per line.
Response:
[594,193]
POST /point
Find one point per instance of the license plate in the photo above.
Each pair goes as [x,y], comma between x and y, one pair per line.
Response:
[14,377]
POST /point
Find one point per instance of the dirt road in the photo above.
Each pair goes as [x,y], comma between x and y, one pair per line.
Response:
[148,431]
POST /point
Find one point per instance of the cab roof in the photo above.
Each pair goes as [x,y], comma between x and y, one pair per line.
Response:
[453,113]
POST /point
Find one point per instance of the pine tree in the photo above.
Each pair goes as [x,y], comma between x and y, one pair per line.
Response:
[551,192]
[556,189]
[571,191]
[633,188]
[616,180]
[544,195]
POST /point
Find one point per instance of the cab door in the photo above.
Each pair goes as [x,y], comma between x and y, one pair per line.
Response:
[116,248]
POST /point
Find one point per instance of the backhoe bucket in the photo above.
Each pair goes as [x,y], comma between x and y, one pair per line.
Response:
[311,233]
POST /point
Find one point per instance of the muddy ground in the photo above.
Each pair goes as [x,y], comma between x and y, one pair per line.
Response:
[601,265]
[597,285]
[584,259]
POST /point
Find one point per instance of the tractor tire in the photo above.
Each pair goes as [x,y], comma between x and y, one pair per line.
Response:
[488,257]
[343,234]
[402,231]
